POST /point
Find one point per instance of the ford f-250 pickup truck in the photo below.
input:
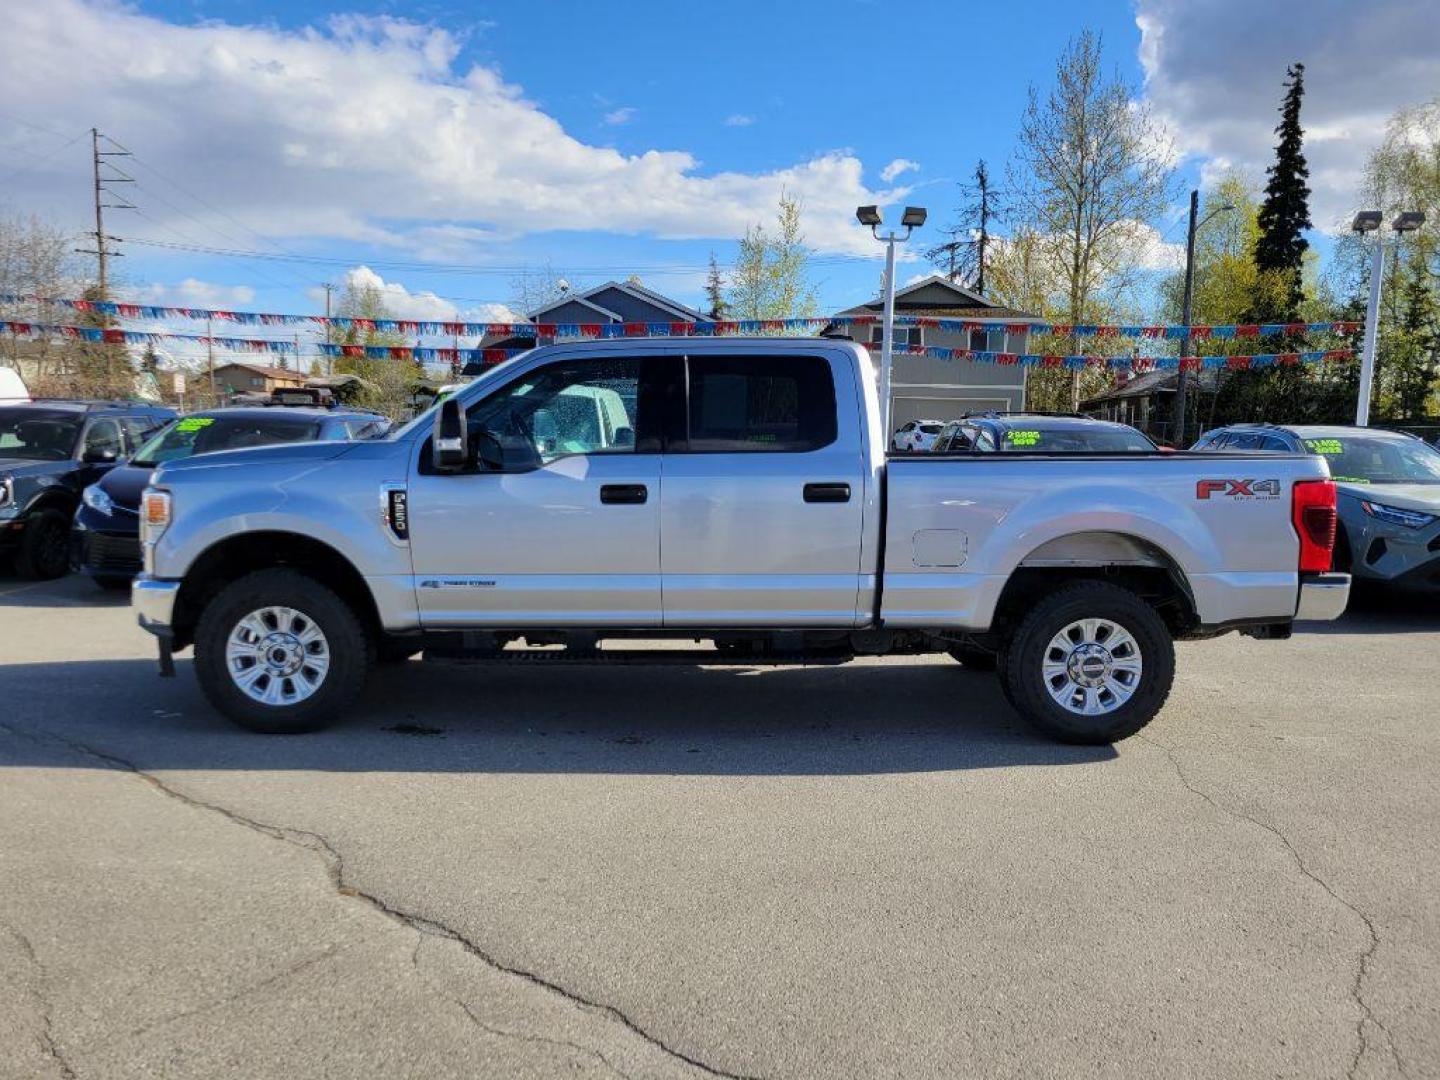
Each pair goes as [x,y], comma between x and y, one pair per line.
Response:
[735,491]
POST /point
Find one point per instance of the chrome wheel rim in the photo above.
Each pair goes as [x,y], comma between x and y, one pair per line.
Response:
[1092,667]
[277,656]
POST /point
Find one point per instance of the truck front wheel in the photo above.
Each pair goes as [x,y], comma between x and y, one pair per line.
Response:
[278,652]
[1092,663]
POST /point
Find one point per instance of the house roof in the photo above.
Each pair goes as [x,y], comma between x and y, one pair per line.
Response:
[1150,382]
[262,369]
[966,302]
[639,292]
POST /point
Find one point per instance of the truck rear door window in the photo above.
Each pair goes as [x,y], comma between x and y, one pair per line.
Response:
[759,404]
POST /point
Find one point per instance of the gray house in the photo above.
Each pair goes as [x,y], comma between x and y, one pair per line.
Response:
[614,302]
[931,389]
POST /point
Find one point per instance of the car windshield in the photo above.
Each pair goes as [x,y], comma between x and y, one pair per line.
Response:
[930,429]
[1075,440]
[205,434]
[38,434]
[1367,460]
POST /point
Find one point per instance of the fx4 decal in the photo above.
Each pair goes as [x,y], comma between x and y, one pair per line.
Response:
[1237,489]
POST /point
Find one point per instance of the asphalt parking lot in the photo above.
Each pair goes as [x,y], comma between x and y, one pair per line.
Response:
[868,871]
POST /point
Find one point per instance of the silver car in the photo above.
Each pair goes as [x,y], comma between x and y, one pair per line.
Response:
[1389,494]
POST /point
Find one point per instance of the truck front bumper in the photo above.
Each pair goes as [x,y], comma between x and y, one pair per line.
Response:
[1322,597]
[154,602]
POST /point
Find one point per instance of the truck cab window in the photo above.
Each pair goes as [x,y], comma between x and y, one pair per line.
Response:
[566,409]
[760,404]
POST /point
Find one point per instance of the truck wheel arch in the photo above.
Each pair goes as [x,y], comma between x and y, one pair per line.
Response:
[1108,555]
[234,556]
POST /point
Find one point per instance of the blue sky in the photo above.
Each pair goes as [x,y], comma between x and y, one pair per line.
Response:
[604,140]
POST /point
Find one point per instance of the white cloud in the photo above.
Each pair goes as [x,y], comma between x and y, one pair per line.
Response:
[739,120]
[421,304]
[1214,70]
[896,167]
[193,293]
[623,115]
[366,129]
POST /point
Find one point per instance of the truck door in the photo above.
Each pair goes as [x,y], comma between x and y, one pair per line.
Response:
[560,524]
[761,520]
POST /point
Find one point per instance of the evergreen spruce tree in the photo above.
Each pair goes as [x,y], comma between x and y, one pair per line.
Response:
[1285,211]
[715,291]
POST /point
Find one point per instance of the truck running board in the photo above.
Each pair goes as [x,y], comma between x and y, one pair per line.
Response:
[630,658]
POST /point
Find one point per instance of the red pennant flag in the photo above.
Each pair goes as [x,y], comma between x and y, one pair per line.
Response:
[1191,363]
[679,329]
[1247,330]
[590,330]
[1238,363]
[636,329]
[1200,332]
[493,356]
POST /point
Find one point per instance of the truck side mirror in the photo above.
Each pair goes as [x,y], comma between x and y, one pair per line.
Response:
[450,441]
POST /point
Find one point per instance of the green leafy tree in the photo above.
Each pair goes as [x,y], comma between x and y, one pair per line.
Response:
[770,279]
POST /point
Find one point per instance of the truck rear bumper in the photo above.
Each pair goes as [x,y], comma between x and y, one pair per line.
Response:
[1322,597]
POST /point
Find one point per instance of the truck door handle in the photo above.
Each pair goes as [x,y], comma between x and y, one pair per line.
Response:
[624,494]
[827,493]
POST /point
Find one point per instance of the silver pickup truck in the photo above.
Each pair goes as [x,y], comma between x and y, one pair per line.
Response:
[728,491]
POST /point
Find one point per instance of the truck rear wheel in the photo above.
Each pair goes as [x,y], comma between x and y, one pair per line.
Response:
[279,653]
[1092,663]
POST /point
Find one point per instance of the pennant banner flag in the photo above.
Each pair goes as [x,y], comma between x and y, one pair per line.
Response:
[702,328]
[115,336]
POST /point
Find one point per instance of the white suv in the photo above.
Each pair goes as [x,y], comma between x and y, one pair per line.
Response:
[918,435]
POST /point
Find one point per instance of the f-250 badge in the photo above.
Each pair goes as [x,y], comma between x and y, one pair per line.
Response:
[1237,489]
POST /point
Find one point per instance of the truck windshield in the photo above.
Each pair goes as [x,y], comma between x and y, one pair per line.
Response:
[1076,440]
[207,434]
[38,434]
[1368,460]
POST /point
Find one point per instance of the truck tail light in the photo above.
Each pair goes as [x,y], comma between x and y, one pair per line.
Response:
[1312,508]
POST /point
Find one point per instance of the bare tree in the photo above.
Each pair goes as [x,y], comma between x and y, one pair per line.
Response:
[534,288]
[1093,168]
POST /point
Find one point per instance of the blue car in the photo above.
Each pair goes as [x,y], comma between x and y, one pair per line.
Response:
[105,542]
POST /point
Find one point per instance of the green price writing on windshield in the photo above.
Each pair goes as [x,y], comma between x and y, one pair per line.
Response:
[194,423]
[1325,446]
[1023,438]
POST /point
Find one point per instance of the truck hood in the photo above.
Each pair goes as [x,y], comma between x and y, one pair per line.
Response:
[1422,497]
[257,457]
[19,467]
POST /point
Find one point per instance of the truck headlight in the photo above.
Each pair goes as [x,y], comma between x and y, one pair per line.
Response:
[155,514]
[95,498]
[1394,515]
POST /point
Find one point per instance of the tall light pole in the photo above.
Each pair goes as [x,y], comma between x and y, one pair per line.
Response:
[1182,380]
[912,219]
[1368,221]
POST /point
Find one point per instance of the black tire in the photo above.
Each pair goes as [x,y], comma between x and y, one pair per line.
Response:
[111,583]
[44,551]
[1024,678]
[349,650]
[975,659]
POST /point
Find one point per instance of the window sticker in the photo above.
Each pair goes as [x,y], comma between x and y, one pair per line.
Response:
[1349,479]
[1325,446]
[194,423]
[1023,438]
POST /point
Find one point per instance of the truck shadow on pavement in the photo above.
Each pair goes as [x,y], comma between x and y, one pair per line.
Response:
[421,717]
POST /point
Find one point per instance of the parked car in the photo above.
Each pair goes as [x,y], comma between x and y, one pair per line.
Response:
[50,450]
[105,542]
[1039,433]
[917,435]
[781,527]
[1389,494]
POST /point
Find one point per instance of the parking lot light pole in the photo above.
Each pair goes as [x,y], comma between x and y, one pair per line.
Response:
[1368,221]
[912,219]
[1182,379]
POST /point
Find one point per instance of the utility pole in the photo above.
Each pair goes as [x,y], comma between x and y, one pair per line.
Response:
[1182,381]
[102,251]
[329,360]
[210,359]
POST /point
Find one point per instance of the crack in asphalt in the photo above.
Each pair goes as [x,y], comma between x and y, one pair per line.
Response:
[1362,966]
[503,1033]
[335,866]
[47,1030]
